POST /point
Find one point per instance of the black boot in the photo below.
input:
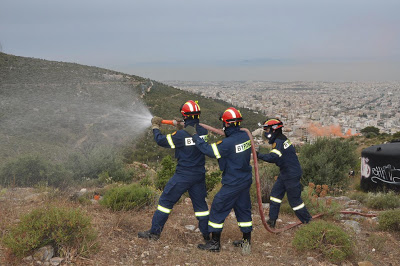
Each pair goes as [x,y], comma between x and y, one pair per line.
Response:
[148,235]
[246,237]
[271,223]
[213,244]
[206,237]
[244,243]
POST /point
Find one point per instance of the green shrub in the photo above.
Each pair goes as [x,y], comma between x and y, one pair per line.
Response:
[360,196]
[326,238]
[383,201]
[91,164]
[29,170]
[390,220]
[327,161]
[267,173]
[127,197]
[212,179]
[63,228]
[166,172]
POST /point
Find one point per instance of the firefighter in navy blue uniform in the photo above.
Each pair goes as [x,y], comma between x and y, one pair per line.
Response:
[233,154]
[189,174]
[283,154]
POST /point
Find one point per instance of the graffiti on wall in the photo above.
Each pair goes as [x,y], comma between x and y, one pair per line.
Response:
[385,173]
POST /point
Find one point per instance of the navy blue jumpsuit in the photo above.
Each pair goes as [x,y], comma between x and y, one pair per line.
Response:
[233,154]
[189,176]
[283,154]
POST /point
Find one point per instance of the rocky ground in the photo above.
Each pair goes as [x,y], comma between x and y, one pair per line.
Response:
[119,245]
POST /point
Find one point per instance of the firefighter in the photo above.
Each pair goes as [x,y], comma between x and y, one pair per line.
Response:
[189,174]
[233,154]
[283,154]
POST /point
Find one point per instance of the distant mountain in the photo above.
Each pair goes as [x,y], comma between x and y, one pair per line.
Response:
[53,108]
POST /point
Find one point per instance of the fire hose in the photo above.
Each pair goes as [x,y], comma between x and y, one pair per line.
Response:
[257,178]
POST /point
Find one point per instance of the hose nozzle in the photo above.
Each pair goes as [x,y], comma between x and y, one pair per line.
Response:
[169,122]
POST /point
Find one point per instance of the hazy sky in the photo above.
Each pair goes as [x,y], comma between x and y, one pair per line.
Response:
[281,40]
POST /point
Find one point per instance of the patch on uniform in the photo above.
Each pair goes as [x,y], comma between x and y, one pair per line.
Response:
[219,142]
[173,133]
[273,145]
[286,144]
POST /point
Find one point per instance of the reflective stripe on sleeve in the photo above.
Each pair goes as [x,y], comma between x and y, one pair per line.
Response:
[163,209]
[214,225]
[171,143]
[245,224]
[277,152]
[215,150]
[198,214]
[299,207]
[275,200]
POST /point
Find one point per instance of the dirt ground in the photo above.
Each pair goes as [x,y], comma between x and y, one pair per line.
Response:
[119,245]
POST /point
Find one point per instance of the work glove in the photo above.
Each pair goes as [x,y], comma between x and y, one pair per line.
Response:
[191,130]
[179,126]
[156,122]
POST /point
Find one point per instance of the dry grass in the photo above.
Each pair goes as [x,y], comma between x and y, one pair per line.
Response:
[119,245]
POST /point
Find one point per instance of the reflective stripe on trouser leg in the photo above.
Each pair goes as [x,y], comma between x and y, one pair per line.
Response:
[277,193]
[202,217]
[198,193]
[245,224]
[158,222]
[215,225]
[297,204]
[246,227]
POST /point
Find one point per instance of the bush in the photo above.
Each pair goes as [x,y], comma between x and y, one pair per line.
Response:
[267,173]
[64,228]
[383,201]
[326,238]
[316,202]
[361,197]
[327,161]
[167,171]
[96,161]
[29,170]
[212,179]
[128,197]
[389,220]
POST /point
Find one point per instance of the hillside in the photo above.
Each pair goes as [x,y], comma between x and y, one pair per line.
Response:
[55,108]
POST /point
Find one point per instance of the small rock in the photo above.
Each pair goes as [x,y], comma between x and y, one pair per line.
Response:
[145,254]
[312,260]
[267,244]
[56,261]
[355,226]
[279,220]
[44,253]
[28,259]
[190,227]
[270,257]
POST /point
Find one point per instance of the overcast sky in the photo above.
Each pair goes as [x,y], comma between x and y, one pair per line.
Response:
[280,40]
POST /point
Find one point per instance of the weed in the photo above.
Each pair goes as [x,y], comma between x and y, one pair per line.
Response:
[326,238]
[390,220]
[63,228]
[127,197]
[383,201]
